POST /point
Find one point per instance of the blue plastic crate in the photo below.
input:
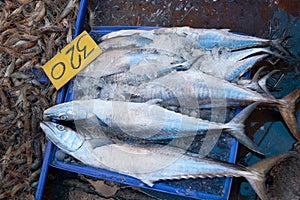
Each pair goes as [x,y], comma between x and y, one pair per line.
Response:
[60,98]
[163,186]
[112,176]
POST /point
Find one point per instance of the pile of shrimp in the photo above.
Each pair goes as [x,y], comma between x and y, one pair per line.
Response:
[31,33]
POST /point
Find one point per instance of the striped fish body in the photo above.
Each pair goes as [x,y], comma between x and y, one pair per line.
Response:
[181,39]
[215,51]
[134,65]
[148,121]
[192,88]
[154,162]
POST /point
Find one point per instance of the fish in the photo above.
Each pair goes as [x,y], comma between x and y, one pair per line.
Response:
[185,40]
[149,121]
[169,42]
[156,162]
[147,67]
[230,66]
[183,87]
[136,56]
[228,56]
[139,65]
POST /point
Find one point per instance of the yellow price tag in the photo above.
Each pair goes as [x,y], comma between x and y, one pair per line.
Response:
[71,60]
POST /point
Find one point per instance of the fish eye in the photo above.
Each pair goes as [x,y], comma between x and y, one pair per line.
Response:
[62,117]
[60,127]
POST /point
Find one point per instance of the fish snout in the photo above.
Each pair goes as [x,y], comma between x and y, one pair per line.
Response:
[62,136]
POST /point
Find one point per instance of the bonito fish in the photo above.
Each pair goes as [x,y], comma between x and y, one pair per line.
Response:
[178,89]
[149,121]
[183,40]
[217,52]
[230,66]
[134,66]
[139,65]
[155,162]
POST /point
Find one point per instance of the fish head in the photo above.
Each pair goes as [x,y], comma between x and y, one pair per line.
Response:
[65,112]
[63,137]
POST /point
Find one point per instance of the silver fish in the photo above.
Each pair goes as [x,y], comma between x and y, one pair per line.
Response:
[153,39]
[155,162]
[149,121]
[138,64]
[179,88]
[134,67]
[204,39]
[212,51]
[229,66]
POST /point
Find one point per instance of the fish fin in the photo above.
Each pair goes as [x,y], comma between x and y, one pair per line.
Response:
[154,101]
[147,182]
[238,131]
[253,83]
[240,135]
[244,114]
[243,66]
[277,44]
[259,172]
[262,83]
[121,33]
[256,75]
[287,110]
[247,53]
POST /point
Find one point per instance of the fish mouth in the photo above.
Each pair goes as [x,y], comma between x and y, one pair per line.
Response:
[46,126]
[47,115]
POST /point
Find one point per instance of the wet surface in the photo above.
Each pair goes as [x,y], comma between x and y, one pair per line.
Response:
[267,19]
[239,15]
[284,179]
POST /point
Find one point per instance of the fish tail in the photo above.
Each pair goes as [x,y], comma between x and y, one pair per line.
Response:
[277,44]
[259,171]
[240,135]
[287,110]
[236,128]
